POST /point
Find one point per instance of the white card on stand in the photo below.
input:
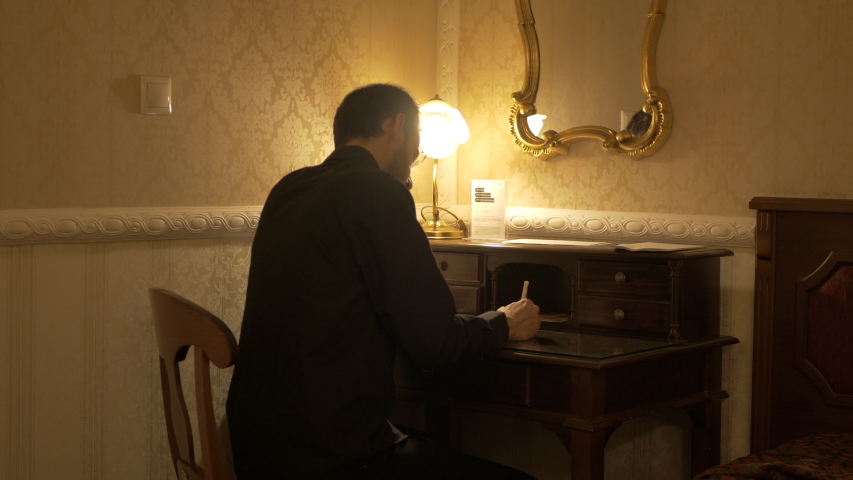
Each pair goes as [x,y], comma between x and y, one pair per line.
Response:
[488,210]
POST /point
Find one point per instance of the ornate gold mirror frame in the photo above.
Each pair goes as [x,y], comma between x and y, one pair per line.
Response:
[551,143]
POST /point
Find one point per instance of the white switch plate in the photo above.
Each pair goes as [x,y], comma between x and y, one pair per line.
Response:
[624,118]
[155,95]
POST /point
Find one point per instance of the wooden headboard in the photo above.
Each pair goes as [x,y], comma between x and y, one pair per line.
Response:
[803,357]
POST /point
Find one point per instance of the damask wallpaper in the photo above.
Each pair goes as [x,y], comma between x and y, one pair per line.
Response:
[757,91]
[761,105]
[760,99]
[254,84]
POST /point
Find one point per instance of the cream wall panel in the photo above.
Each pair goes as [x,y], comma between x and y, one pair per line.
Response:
[20,395]
[93,355]
[6,417]
[132,440]
[58,361]
[738,275]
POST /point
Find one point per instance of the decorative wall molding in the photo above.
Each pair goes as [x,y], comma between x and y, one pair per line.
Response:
[117,224]
[632,227]
[447,85]
[19,227]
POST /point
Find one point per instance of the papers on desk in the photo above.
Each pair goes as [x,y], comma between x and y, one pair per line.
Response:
[570,243]
[657,247]
[633,247]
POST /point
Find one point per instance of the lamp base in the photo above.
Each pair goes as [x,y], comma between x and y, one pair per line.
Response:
[439,231]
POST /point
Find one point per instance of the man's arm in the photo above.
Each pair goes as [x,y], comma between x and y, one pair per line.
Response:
[410,296]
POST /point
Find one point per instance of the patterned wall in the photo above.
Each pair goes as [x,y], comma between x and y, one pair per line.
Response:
[761,106]
[254,83]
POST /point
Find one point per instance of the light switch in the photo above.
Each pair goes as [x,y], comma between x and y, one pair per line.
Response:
[155,95]
[625,118]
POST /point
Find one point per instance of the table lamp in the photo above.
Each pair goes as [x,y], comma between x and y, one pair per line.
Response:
[442,131]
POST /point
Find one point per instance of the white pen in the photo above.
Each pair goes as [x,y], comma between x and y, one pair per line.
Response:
[524,290]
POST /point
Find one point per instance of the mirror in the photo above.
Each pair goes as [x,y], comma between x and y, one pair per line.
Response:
[582,64]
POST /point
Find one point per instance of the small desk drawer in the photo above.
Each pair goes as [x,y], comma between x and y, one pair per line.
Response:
[624,278]
[467,299]
[457,267]
[649,318]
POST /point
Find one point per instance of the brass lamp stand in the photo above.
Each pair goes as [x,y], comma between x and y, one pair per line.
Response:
[435,228]
[442,131]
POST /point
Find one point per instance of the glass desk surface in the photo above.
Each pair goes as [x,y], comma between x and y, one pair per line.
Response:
[588,345]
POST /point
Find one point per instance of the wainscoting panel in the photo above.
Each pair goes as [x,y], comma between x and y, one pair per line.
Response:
[6,433]
[56,360]
[130,382]
[80,392]
[19,344]
[93,351]
[80,385]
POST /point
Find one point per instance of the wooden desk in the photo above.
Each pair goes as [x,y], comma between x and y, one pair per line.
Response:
[632,333]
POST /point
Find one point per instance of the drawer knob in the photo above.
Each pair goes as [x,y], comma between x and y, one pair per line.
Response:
[620,278]
[443,265]
[618,314]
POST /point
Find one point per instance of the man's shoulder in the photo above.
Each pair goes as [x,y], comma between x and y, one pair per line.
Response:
[340,186]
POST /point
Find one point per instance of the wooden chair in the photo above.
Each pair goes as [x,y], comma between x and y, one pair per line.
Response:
[179,324]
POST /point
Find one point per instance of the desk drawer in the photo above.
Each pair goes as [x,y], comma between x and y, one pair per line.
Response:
[458,267]
[467,299]
[624,278]
[647,318]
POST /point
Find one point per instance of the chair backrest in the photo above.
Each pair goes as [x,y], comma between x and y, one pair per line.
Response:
[179,324]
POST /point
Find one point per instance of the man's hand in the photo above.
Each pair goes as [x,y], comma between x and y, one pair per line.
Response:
[523,319]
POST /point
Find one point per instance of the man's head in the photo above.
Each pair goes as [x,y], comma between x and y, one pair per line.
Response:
[375,112]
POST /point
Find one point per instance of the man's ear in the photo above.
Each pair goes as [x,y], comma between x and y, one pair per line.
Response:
[397,129]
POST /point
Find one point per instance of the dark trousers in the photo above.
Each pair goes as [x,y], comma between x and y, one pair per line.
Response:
[419,457]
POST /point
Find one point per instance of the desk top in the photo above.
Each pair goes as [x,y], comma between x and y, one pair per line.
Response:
[589,345]
[483,246]
[599,351]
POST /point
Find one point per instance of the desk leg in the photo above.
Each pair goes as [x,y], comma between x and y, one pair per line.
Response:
[705,435]
[586,450]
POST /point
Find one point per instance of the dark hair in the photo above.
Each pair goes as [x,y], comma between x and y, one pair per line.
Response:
[361,113]
[639,123]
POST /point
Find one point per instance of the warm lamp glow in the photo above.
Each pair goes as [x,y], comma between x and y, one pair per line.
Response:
[535,123]
[442,129]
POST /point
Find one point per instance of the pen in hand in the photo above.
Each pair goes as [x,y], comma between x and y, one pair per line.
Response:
[522,317]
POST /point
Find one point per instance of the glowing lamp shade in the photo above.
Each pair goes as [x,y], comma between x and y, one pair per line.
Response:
[442,129]
[535,123]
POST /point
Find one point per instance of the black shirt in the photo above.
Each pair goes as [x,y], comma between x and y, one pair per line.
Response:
[341,276]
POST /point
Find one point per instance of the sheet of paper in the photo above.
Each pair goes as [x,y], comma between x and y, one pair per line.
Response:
[571,243]
[488,210]
[657,247]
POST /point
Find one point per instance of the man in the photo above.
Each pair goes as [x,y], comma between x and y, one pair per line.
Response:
[341,277]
